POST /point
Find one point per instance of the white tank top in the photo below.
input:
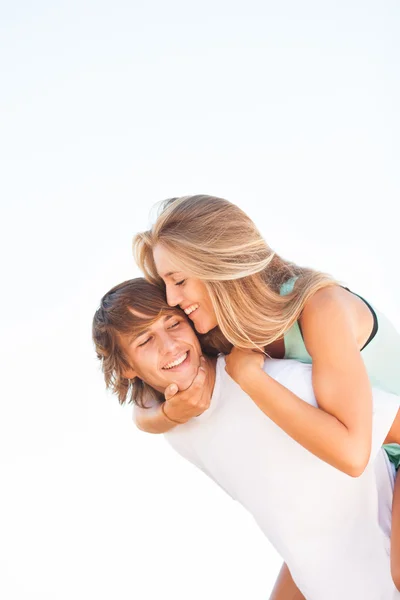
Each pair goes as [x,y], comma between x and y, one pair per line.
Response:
[322,522]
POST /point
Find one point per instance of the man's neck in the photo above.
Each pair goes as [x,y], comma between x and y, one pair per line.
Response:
[210,367]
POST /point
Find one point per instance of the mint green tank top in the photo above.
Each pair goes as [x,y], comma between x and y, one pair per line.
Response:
[381,353]
[381,356]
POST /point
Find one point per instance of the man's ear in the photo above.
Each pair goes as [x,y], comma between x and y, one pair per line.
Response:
[130,373]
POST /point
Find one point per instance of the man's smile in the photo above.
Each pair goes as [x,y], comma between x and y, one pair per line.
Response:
[178,363]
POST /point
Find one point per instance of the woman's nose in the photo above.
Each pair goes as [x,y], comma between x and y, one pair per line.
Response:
[174,295]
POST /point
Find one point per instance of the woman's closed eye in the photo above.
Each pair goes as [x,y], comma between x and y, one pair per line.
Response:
[180,282]
[174,325]
[144,342]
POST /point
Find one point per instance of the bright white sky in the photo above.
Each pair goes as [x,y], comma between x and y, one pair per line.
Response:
[290,110]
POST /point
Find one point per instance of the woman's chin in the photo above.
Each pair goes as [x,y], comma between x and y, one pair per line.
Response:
[202,328]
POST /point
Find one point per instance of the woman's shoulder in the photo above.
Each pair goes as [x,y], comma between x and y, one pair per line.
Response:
[335,315]
[329,304]
[330,298]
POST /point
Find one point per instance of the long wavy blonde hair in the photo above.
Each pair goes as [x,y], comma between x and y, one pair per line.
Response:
[213,240]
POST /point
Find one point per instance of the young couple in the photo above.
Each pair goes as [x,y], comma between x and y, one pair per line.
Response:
[239,417]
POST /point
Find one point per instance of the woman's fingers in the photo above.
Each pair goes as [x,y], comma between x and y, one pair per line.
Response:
[170,391]
[191,402]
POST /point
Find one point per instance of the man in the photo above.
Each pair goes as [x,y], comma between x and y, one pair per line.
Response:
[322,522]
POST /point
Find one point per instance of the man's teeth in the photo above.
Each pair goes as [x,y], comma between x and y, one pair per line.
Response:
[190,309]
[176,362]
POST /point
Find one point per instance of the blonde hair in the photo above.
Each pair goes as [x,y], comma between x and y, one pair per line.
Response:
[213,240]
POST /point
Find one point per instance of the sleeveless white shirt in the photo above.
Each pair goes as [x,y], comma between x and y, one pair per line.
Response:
[323,523]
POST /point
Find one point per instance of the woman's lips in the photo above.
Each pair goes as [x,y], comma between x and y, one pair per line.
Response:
[193,308]
[193,313]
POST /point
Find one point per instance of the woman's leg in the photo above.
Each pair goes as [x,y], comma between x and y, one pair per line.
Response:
[285,588]
[395,535]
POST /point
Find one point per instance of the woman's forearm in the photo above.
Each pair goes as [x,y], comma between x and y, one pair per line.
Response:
[316,430]
[152,420]
[285,588]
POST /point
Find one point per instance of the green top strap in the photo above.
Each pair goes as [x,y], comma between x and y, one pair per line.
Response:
[294,343]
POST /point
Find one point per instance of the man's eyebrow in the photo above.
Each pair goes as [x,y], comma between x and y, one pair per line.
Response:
[145,331]
[134,337]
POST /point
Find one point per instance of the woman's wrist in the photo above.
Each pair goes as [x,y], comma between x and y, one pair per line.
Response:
[252,379]
[168,418]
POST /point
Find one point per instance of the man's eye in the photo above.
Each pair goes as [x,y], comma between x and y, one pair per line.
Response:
[180,282]
[145,342]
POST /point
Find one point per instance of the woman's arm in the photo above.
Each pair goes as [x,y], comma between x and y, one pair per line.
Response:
[285,588]
[340,433]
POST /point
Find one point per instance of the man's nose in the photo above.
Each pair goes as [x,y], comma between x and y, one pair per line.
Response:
[174,295]
[167,343]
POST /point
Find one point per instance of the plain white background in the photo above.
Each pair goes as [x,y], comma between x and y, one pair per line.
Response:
[289,110]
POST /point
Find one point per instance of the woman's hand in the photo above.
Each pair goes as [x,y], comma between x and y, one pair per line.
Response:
[182,406]
[241,364]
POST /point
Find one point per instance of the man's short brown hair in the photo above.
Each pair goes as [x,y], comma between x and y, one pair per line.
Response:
[118,315]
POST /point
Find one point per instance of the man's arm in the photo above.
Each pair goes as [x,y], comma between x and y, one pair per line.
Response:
[285,588]
[152,419]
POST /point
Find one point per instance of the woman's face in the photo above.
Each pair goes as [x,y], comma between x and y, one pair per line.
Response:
[187,292]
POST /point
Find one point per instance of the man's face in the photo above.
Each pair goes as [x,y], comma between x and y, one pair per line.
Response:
[168,351]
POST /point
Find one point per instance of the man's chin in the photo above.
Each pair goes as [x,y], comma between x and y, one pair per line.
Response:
[183,382]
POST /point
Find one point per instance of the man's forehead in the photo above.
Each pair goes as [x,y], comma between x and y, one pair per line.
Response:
[146,318]
[146,321]
[142,316]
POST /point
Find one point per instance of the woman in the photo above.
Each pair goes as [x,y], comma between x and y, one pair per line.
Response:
[216,266]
